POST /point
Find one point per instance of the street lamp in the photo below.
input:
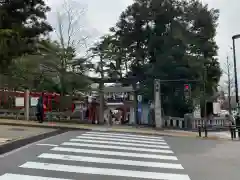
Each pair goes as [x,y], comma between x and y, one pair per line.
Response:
[237,36]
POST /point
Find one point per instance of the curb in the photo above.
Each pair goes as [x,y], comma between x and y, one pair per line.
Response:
[11,145]
[44,126]
[64,128]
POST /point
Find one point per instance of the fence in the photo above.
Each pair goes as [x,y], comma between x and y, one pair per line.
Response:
[174,122]
[13,105]
[183,123]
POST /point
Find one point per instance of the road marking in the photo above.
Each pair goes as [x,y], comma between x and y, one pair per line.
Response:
[53,145]
[123,137]
[117,147]
[118,139]
[104,171]
[129,135]
[115,153]
[121,143]
[110,161]
[29,145]
[9,176]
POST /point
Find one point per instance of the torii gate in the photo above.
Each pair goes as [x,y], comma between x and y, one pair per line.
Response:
[103,90]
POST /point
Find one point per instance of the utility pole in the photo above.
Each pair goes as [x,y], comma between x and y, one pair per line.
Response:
[101,92]
[204,95]
[237,36]
[229,84]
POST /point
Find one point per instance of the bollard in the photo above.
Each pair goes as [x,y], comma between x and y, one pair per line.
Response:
[238,130]
[199,131]
[234,132]
[205,130]
[231,131]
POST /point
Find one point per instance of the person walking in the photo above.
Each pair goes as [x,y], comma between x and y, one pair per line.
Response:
[40,110]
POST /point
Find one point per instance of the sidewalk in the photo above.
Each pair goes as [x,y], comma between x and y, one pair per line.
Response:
[12,137]
[4,140]
[116,128]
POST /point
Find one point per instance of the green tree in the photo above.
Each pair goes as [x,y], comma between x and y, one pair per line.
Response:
[169,40]
[22,23]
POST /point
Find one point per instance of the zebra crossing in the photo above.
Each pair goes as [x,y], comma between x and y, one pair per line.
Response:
[104,155]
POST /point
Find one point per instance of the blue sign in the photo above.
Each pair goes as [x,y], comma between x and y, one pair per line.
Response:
[139,110]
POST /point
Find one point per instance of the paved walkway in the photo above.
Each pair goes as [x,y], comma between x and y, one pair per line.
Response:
[116,128]
[12,133]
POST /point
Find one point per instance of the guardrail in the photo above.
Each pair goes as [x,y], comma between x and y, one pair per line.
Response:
[182,123]
[18,114]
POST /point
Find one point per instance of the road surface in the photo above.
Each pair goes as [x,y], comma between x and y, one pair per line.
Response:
[208,159]
[94,155]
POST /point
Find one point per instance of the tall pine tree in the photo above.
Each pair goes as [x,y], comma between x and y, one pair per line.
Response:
[170,40]
[22,22]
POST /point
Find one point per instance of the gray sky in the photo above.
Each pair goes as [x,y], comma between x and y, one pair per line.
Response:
[102,14]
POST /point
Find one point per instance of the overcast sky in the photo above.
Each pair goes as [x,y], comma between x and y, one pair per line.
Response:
[102,14]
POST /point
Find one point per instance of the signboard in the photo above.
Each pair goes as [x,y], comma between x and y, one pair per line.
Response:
[157,85]
[34,101]
[139,111]
[117,97]
[139,98]
[19,102]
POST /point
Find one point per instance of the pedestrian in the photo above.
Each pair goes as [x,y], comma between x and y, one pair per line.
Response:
[110,117]
[40,110]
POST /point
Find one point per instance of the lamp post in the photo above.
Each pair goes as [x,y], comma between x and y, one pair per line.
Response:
[237,36]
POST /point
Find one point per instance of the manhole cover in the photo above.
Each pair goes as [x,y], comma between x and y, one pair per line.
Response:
[16,129]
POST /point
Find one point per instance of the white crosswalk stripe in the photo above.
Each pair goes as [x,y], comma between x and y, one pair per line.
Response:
[124,135]
[120,139]
[103,171]
[110,161]
[117,147]
[115,153]
[95,154]
[164,146]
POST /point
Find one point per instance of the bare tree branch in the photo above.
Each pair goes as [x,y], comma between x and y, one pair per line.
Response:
[229,83]
[71,26]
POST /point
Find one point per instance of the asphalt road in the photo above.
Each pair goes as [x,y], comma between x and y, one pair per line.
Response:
[208,159]
[105,156]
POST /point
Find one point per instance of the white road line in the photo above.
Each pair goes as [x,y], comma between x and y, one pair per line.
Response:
[9,176]
[117,147]
[121,143]
[110,161]
[126,134]
[53,145]
[123,137]
[114,153]
[118,139]
[104,171]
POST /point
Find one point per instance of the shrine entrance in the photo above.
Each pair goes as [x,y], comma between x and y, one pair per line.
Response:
[120,101]
[117,99]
